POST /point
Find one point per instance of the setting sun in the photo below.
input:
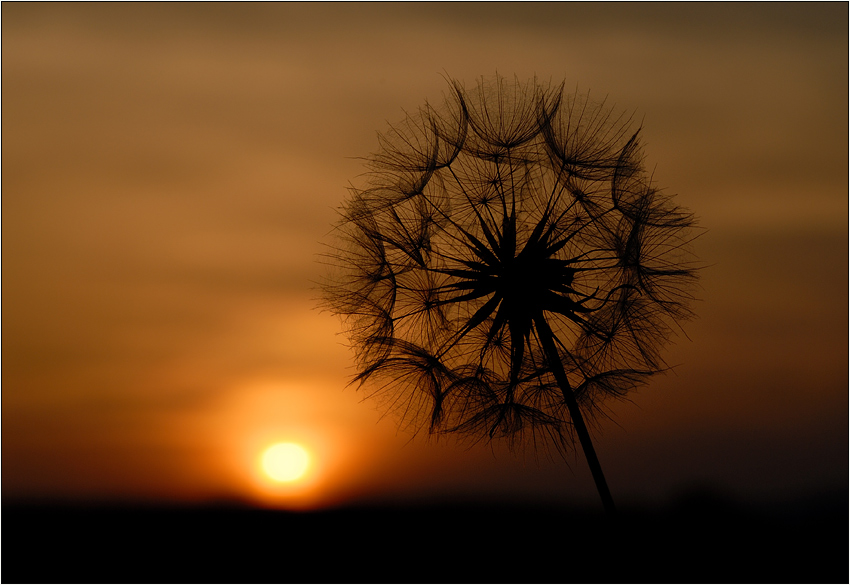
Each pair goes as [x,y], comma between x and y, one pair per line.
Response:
[285,461]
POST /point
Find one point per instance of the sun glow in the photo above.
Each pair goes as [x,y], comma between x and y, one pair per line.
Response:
[257,414]
[285,462]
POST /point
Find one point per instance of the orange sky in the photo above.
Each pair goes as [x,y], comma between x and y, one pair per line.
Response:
[169,171]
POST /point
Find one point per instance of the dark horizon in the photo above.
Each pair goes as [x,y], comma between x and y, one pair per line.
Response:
[701,538]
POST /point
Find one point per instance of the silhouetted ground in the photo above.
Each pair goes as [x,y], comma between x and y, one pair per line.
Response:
[701,539]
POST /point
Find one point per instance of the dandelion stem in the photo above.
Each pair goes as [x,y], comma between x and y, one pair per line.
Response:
[547,340]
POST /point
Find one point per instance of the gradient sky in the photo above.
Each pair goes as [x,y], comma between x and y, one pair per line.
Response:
[169,171]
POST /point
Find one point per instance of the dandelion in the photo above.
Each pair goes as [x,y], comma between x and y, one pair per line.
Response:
[509,265]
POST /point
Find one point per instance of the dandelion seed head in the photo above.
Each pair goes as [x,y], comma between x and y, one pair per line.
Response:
[512,210]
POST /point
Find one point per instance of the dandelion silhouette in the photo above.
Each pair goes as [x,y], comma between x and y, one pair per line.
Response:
[509,265]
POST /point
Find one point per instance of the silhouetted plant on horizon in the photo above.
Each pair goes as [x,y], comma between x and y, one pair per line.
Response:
[509,265]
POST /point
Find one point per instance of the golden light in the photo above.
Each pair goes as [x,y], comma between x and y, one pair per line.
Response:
[285,462]
[258,413]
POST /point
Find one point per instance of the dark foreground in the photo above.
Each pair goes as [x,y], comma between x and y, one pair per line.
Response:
[701,541]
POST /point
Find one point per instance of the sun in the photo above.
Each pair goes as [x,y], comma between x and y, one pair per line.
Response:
[285,462]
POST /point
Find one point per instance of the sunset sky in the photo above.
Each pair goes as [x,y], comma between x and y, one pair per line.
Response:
[169,172]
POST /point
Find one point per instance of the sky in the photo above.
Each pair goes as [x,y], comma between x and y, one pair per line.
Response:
[170,171]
